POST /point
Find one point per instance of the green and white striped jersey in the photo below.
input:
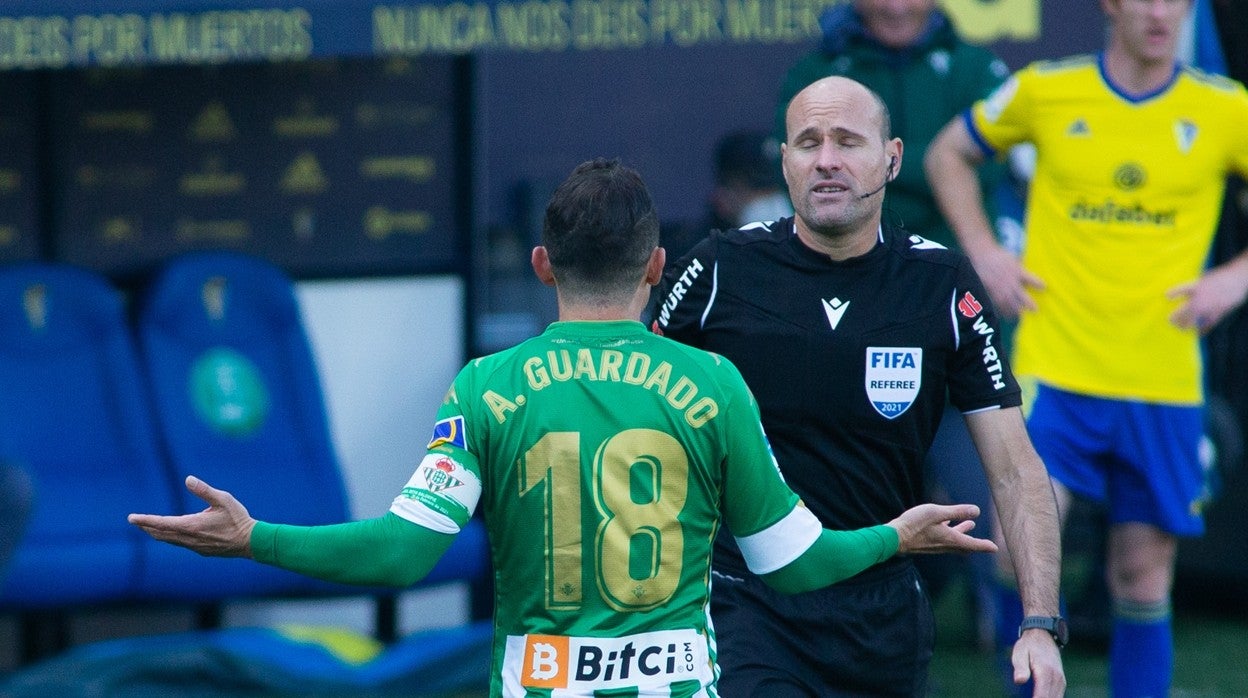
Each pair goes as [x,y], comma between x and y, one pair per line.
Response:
[604,458]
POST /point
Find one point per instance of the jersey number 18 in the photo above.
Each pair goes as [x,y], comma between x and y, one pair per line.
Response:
[640,480]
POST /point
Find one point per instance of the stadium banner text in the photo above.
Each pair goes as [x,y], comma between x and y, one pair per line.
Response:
[80,33]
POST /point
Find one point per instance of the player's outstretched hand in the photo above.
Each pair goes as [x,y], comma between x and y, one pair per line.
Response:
[940,528]
[223,529]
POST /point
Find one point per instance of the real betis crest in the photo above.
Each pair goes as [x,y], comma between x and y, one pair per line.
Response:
[438,477]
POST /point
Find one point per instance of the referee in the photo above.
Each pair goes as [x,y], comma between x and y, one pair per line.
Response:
[851,333]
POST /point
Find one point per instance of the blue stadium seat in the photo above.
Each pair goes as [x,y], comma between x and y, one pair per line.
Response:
[239,403]
[16,498]
[74,416]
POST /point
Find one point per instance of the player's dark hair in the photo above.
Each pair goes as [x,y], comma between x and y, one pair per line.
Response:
[600,228]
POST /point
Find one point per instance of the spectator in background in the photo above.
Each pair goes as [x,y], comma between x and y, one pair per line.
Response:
[1113,290]
[748,187]
[909,53]
[748,184]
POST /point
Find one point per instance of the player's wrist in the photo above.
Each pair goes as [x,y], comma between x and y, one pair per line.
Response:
[262,542]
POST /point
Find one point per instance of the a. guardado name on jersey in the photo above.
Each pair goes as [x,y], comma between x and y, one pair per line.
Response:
[581,665]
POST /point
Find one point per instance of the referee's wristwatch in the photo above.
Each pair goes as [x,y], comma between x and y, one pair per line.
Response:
[1055,625]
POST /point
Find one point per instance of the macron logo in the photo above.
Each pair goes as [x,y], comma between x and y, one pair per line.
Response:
[834,309]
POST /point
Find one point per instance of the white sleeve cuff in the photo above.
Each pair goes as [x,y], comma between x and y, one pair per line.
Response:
[782,542]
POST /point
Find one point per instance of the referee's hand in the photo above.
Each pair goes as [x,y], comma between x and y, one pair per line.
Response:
[939,528]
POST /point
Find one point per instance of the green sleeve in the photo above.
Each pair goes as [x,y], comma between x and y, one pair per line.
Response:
[755,495]
[385,551]
[836,555]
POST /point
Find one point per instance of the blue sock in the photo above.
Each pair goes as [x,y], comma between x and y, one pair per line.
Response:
[1009,617]
[1009,612]
[1141,652]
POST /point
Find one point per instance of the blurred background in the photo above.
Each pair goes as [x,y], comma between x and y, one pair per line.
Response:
[394,159]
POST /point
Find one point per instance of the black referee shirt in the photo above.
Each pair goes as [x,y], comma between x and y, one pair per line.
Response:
[850,362]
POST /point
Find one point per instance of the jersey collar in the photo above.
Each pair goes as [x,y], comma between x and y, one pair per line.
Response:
[1133,98]
[819,259]
[597,328]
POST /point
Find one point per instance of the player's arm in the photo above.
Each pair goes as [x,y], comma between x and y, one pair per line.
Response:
[838,555]
[950,165]
[385,551]
[1222,289]
[397,549]
[1206,301]
[782,541]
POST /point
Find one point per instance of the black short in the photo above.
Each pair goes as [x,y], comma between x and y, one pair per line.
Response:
[869,636]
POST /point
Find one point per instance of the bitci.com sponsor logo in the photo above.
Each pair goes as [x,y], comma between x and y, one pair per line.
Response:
[587,663]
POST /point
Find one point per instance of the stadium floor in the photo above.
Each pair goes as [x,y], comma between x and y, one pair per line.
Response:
[1210,651]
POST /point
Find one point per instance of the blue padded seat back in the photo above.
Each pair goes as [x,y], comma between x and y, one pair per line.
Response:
[236,387]
[73,413]
[239,404]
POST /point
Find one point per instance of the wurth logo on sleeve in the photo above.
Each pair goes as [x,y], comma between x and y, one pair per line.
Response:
[968,306]
[992,360]
[678,291]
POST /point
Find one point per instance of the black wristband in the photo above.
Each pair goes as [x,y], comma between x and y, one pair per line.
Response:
[1055,625]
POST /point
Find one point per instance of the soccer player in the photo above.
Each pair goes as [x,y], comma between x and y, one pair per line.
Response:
[851,333]
[604,459]
[1133,150]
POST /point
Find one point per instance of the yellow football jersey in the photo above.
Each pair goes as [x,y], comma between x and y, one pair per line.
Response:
[1124,204]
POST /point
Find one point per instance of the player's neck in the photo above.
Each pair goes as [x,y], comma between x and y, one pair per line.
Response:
[595,314]
[603,310]
[1135,75]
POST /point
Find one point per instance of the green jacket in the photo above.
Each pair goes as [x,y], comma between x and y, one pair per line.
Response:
[924,87]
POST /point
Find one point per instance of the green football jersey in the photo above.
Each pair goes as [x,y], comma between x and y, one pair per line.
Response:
[604,458]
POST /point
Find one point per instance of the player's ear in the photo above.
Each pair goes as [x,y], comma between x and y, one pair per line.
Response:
[654,268]
[541,266]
